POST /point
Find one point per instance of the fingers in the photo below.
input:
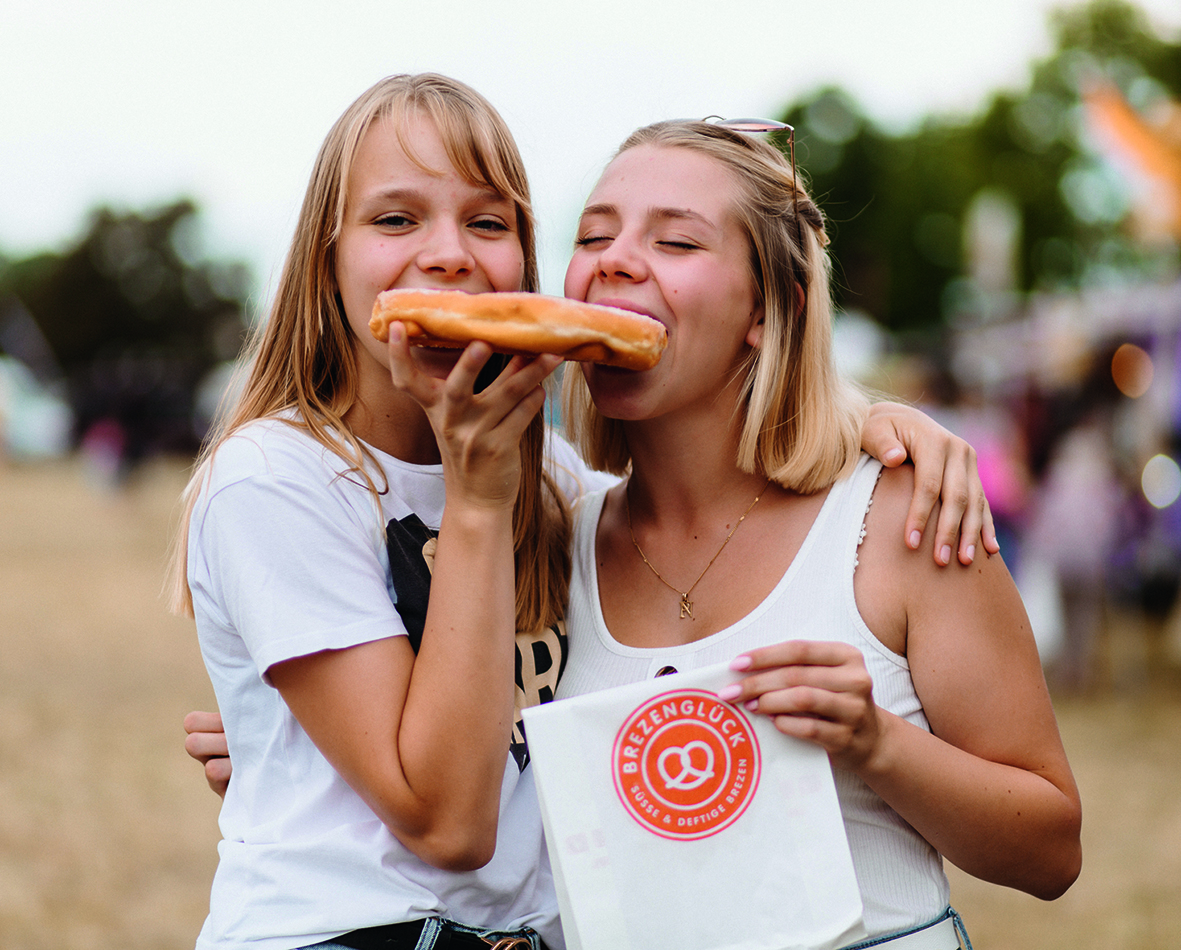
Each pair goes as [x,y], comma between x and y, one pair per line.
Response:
[816,691]
[881,437]
[198,721]
[988,531]
[206,742]
[217,775]
[520,385]
[946,472]
[513,384]
[798,663]
[517,380]
[974,528]
[204,746]
[800,677]
[927,486]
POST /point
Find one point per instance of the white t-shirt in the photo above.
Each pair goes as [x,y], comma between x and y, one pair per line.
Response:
[900,875]
[286,558]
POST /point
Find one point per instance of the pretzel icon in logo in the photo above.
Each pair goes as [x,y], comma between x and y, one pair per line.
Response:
[688,776]
[685,764]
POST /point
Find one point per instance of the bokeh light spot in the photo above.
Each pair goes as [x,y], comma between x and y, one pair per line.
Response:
[1131,368]
[1161,481]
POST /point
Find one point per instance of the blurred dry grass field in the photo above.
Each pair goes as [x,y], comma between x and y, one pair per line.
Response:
[108,834]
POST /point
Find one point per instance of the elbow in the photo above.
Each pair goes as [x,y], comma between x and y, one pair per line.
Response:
[1058,878]
[1061,865]
[459,847]
[458,856]
[1054,883]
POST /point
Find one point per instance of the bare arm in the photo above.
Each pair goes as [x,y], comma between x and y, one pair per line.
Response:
[947,481]
[989,786]
[424,738]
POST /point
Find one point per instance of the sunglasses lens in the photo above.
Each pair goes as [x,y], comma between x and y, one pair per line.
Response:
[754,125]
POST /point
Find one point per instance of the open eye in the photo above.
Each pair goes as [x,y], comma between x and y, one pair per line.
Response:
[395,220]
[490,226]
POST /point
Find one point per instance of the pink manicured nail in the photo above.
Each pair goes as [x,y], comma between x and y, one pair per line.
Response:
[740,663]
[727,693]
[752,705]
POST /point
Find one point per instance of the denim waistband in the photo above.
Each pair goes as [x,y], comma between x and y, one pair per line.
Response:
[945,932]
[437,933]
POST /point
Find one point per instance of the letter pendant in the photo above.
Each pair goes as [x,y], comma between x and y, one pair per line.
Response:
[686,607]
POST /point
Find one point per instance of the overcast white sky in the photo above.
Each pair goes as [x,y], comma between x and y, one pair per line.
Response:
[135,102]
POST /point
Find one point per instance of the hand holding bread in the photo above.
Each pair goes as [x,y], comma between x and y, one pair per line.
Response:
[522,323]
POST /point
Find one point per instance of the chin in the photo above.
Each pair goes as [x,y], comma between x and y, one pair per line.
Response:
[617,392]
[435,361]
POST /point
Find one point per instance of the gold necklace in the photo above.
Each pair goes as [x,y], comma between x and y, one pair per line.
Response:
[686,603]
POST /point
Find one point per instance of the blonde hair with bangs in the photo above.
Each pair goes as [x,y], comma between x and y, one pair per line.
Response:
[303,357]
[801,422]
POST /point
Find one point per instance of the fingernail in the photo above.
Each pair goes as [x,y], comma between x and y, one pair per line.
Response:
[893,455]
[971,552]
[727,693]
[915,538]
[945,554]
[740,663]
[752,705]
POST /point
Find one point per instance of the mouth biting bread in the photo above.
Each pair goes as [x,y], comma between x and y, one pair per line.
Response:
[522,323]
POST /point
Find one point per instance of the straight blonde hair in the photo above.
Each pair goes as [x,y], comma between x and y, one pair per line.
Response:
[801,424]
[303,360]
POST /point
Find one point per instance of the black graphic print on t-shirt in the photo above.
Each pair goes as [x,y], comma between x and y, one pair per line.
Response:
[541,655]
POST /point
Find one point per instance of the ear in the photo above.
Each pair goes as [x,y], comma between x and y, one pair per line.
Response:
[801,297]
[754,332]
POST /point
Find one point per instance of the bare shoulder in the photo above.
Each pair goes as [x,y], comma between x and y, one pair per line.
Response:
[893,583]
[882,559]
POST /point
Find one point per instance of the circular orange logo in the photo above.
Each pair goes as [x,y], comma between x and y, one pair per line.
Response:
[685,764]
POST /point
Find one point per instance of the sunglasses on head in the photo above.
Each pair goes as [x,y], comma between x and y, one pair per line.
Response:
[770,126]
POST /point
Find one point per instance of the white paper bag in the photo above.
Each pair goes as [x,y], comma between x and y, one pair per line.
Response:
[675,820]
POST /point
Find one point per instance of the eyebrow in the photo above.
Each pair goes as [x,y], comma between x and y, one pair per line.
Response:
[662,214]
[395,193]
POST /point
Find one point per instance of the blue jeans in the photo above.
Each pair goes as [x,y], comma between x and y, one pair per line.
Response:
[949,913]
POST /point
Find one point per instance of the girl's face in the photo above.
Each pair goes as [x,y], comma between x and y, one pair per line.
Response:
[658,236]
[405,226]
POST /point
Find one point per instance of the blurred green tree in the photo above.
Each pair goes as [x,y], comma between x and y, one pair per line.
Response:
[912,214]
[133,316]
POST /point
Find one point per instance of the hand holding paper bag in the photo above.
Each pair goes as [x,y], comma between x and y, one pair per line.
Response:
[676,819]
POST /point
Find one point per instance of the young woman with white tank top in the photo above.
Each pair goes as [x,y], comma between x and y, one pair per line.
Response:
[750,529]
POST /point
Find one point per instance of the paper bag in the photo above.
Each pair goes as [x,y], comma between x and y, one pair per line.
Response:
[674,819]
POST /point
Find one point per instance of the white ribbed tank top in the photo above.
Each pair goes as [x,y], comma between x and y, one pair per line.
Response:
[900,875]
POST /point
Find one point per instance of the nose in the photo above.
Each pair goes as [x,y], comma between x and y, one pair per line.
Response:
[622,260]
[445,251]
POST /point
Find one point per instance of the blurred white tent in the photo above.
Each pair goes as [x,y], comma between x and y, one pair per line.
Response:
[35,421]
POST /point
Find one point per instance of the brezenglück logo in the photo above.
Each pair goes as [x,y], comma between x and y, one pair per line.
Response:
[686,764]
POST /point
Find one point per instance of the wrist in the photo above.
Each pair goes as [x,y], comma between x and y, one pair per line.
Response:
[476,516]
[878,760]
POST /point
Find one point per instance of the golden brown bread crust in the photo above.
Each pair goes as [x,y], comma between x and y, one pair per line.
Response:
[522,323]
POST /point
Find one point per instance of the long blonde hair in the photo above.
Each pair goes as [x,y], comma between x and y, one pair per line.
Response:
[302,358]
[801,422]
